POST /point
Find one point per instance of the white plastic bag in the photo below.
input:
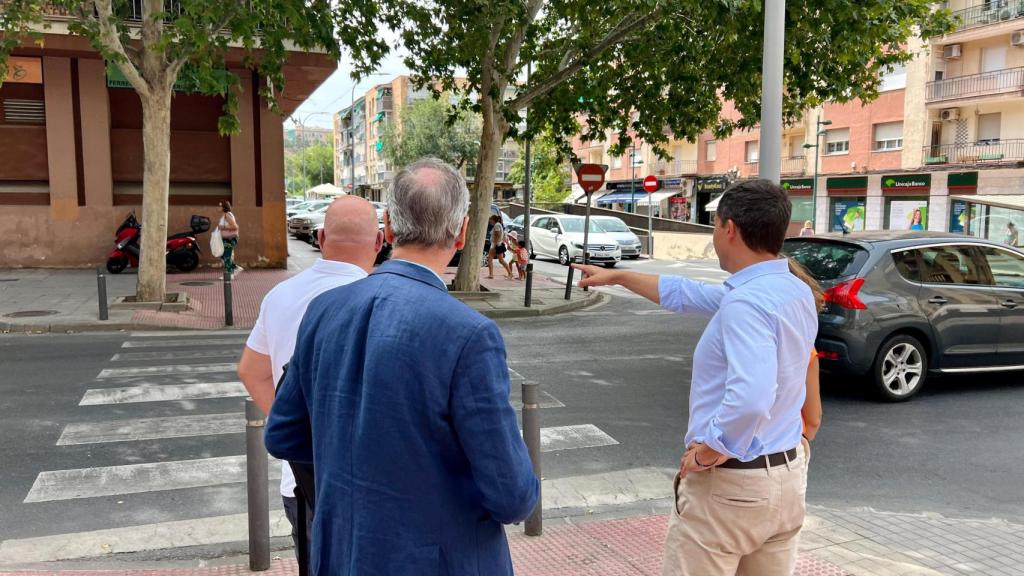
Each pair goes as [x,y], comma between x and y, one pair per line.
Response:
[216,243]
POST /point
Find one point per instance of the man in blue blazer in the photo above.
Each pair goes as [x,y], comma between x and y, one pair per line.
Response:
[398,395]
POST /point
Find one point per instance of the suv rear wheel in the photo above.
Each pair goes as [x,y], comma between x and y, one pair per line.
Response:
[901,368]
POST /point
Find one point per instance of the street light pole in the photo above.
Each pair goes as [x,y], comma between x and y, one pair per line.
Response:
[818,133]
[632,178]
[771,90]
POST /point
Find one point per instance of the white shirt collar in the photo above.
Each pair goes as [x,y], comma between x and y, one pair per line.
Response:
[324,266]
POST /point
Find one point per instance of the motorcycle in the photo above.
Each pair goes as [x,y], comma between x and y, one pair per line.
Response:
[182,248]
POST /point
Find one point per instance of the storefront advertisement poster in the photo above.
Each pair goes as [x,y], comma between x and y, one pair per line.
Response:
[908,215]
[848,214]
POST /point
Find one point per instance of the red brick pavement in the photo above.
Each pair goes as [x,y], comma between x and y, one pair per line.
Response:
[626,547]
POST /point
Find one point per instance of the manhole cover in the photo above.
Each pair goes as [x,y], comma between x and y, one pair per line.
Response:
[8,279]
[30,313]
[197,283]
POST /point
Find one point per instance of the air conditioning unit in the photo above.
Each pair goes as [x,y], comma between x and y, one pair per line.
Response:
[1017,38]
[949,114]
[951,52]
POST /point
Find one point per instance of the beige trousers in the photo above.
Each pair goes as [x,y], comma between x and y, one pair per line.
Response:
[737,522]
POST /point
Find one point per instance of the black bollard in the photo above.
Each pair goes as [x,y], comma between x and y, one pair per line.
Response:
[529,284]
[229,313]
[531,435]
[568,283]
[256,487]
[101,289]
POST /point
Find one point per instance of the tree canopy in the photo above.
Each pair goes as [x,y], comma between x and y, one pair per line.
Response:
[432,128]
[549,172]
[308,167]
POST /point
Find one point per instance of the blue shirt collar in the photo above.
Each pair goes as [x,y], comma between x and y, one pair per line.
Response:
[777,266]
[413,270]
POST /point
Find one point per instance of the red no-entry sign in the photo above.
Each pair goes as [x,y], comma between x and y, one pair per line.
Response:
[651,183]
[591,176]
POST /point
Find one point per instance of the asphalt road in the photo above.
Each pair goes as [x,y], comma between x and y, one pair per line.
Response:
[621,369]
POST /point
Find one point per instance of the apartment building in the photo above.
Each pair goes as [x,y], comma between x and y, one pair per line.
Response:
[71,154]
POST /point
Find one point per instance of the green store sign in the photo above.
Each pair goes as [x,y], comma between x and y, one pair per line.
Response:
[907,182]
[798,185]
[963,181]
[847,184]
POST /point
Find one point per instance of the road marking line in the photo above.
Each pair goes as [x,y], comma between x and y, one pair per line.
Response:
[175,369]
[544,400]
[163,393]
[161,536]
[573,438]
[177,355]
[183,343]
[138,478]
[187,333]
[656,312]
[151,428]
[592,359]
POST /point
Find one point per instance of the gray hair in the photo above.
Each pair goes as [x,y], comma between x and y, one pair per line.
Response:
[427,202]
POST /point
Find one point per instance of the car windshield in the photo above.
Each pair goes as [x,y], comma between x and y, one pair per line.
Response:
[576,225]
[613,225]
[826,261]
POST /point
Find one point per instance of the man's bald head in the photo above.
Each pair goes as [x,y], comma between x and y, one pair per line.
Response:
[350,232]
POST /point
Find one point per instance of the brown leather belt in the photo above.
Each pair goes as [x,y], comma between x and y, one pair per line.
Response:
[777,459]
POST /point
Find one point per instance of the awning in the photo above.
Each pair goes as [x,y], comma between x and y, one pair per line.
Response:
[621,197]
[657,198]
[378,116]
[1011,201]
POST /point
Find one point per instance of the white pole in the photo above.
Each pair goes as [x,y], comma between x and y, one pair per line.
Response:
[770,153]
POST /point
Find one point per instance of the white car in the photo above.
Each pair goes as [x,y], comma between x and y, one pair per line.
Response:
[616,228]
[561,237]
[304,207]
[303,224]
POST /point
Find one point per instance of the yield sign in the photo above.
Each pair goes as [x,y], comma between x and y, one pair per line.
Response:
[591,176]
[651,183]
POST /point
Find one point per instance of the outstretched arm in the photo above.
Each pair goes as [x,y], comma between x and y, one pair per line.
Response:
[674,293]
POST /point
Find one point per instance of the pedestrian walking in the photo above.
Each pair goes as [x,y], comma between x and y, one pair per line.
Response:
[349,242]
[519,255]
[398,395]
[228,227]
[741,483]
[498,248]
[808,229]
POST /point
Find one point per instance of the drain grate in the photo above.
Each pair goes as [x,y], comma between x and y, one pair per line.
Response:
[31,313]
[196,283]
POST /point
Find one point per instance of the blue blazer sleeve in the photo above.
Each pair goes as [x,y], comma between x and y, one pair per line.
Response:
[487,428]
[289,434]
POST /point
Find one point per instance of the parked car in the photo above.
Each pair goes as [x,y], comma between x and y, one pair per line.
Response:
[292,201]
[616,228]
[904,305]
[304,207]
[302,225]
[516,225]
[561,236]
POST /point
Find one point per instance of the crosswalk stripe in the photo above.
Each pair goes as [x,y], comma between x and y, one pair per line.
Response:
[573,437]
[151,428]
[177,355]
[163,393]
[186,333]
[174,369]
[182,343]
[138,478]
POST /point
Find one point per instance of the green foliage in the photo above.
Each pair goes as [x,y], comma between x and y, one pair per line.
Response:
[309,167]
[432,128]
[549,173]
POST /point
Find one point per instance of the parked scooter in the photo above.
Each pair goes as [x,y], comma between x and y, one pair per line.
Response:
[182,248]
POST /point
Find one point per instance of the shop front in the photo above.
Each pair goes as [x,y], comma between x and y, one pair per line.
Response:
[706,189]
[906,201]
[996,217]
[800,192]
[960,184]
[847,197]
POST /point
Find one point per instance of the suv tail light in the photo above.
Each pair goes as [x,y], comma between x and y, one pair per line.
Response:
[844,294]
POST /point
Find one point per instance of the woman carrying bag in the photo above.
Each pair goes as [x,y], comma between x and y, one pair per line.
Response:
[228,228]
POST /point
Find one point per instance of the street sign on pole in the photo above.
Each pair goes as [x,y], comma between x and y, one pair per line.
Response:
[651,184]
[591,176]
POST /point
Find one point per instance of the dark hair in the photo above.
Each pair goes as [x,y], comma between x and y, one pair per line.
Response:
[225,205]
[760,210]
[493,219]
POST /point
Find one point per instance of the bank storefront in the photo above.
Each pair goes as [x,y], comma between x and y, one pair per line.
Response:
[996,217]
[800,192]
[906,201]
[847,197]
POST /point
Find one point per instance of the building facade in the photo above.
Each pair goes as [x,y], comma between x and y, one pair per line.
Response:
[71,156]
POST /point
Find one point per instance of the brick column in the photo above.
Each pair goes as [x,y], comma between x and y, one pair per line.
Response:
[95,105]
[60,140]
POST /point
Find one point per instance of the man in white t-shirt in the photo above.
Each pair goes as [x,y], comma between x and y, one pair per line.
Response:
[349,242]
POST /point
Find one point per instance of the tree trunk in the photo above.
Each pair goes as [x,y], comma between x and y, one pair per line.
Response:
[491,139]
[156,142]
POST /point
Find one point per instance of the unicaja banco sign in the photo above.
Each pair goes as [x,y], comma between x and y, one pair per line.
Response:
[798,185]
[907,183]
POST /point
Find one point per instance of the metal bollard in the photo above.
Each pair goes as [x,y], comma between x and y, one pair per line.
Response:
[529,284]
[568,283]
[256,485]
[101,288]
[229,312]
[531,435]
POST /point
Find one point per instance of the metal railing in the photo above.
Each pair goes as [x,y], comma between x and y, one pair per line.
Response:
[985,152]
[1008,80]
[794,165]
[987,13]
[680,167]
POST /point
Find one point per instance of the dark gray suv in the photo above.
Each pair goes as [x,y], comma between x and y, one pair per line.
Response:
[901,305]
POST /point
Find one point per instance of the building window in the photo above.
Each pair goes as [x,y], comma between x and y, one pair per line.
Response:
[988,128]
[616,162]
[711,150]
[837,141]
[888,136]
[751,152]
[894,77]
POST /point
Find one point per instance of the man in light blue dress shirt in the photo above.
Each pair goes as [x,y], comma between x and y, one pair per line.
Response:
[742,479]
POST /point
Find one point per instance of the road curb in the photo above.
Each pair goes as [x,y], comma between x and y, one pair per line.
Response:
[508,313]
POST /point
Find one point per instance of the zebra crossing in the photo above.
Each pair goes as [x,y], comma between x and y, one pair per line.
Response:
[160,418]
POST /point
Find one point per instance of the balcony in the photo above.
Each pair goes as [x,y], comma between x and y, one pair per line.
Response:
[682,167]
[991,152]
[974,86]
[991,12]
[794,165]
